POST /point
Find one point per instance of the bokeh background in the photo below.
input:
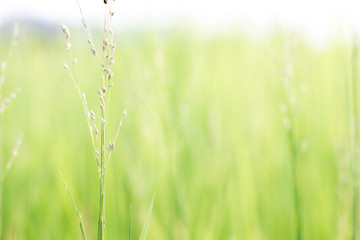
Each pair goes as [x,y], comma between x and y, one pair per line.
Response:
[208,86]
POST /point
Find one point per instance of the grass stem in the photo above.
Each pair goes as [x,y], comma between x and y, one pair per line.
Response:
[294,166]
[81,223]
[130,225]
[101,226]
[355,138]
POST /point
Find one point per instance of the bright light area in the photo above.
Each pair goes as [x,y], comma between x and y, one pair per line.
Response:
[318,18]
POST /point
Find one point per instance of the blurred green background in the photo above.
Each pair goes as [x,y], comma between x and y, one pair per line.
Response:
[203,129]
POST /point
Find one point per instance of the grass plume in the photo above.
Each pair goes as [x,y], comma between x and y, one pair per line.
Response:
[98,126]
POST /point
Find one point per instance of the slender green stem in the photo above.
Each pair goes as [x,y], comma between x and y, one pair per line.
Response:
[294,162]
[81,223]
[355,139]
[293,146]
[101,225]
[130,226]
[145,230]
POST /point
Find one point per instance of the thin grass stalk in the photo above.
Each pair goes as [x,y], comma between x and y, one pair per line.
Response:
[145,229]
[106,62]
[294,163]
[130,225]
[101,224]
[81,223]
[355,138]
[290,110]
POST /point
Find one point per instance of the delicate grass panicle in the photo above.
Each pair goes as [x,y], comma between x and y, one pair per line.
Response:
[4,103]
[102,147]
[289,110]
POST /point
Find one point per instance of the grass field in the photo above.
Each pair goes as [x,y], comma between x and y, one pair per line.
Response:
[203,129]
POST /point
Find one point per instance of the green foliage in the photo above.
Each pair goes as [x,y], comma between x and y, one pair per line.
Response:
[203,128]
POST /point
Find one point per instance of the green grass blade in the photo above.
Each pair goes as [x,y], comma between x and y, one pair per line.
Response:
[76,209]
[130,227]
[147,222]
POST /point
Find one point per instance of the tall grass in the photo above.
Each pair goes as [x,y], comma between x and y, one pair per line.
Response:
[203,127]
[354,138]
[4,102]
[102,147]
[290,110]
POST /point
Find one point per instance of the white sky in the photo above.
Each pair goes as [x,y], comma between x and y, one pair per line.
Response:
[318,18]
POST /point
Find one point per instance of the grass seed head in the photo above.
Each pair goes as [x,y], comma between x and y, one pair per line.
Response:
[111,146]
[93,51]
[92,115]
[84,22]
[66,66]
[66,31]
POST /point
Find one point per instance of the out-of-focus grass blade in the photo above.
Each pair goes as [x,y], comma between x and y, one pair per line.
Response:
[147,222]
[130,227]
[76,209]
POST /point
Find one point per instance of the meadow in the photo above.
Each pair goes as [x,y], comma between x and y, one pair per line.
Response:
[203,129]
